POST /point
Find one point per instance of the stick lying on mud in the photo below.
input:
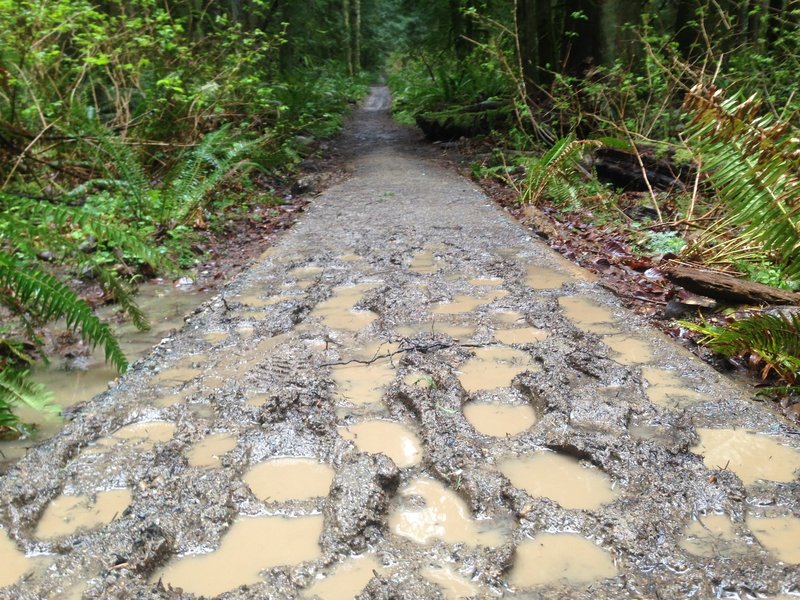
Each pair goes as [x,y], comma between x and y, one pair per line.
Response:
[423,348]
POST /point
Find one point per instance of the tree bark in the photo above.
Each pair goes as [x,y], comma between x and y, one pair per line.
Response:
[357,37]
[525,21]
[348,36]
[583,36]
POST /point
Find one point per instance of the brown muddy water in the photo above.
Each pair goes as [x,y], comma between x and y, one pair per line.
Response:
[80,380]
[408,397]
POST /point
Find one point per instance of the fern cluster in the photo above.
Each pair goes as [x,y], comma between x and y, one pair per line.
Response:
[30,228]
[773,338]
[183,190]
[557,172]
[753,162]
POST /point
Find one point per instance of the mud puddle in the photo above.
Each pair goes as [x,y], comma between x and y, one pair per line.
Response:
[347,580]
[571,483]
[386,437]
[589,315]
[494,367]
[208,451]
[751,456]
[560,558]
[66,515]
[364,380]
[452,585]
[520,336]
[499,420]
[282,479]
[444,516]
[339,313]
[251,545]
[14,562]
[543,278]
[666,388]
[463,303]
[779,535]
[712,535]
[165,307]
[425,263]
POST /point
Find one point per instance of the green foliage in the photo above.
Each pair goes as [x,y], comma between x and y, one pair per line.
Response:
[751,160]
[43,298]
[17,389]
[664,242]
[557,172]
[774,339]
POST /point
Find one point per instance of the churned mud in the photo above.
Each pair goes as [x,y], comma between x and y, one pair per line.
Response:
[407,397]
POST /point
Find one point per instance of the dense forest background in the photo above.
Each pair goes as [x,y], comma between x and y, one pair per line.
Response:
[129,128]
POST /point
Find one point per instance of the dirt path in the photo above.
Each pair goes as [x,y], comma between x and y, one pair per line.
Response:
[537,438]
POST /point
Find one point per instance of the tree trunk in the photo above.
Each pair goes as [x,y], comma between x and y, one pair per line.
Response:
[527,43]
[583,36]
[357,37]
[687,30]
[548,62]
[348,36]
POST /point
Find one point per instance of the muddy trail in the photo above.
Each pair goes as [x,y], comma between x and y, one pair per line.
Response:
[409,397]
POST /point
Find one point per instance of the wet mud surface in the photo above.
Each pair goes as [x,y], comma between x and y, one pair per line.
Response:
[364,412]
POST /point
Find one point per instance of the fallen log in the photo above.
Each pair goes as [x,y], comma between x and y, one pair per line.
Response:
[727,288]
[622,169]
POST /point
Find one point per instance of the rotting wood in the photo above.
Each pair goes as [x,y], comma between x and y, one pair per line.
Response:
[723,286]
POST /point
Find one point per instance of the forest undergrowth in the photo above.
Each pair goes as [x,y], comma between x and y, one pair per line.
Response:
[132,135]
[676,149]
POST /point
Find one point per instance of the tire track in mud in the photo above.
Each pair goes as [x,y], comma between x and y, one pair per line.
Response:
[401,297]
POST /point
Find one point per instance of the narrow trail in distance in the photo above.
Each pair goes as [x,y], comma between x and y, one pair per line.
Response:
[409,397]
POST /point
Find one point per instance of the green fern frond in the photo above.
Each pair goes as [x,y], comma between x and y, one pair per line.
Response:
[123,297]
[208,165]
[556,170]
[752,161]
[774,338]
[30,225]
[48,298]
[126,166]
[17,389]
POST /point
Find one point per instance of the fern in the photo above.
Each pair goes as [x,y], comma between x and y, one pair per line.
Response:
[39,224]
[16,388]
[753,162]
[208,164]
[47,298]
[773,338]
[555,173]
